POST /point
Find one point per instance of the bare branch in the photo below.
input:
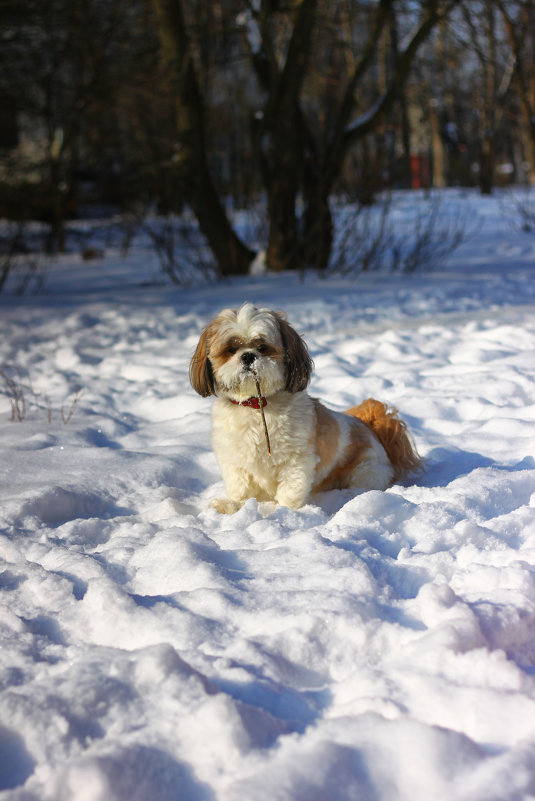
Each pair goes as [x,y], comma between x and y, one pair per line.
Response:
[434,12]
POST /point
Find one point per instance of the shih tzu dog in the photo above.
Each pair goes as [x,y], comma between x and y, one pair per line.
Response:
[271,439]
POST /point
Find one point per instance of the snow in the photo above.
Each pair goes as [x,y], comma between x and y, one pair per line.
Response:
[368,647]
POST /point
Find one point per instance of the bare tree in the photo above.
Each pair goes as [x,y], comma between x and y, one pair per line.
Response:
[191,164]
[519,21]
[307,86]
[55,66]
[283,131]
[480,19]
[302,155]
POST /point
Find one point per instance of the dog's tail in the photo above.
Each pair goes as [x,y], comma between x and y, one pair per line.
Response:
[392,433]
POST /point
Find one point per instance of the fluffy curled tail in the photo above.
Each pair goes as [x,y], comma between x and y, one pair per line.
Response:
[392,433]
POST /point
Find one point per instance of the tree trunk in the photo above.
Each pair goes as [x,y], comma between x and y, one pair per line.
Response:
[233,257]
[488,138]
[437,142]
[529,146]
[437,147]
[483,34]
[285,130]
[318,230]
[344,134]
[486,163]
[56,239]
[283,243]
[524,78]
[403,106]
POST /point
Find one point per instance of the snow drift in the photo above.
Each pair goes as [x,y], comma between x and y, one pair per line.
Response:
[368,647]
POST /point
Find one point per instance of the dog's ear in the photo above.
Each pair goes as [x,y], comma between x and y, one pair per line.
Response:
[297,359]
[200,370]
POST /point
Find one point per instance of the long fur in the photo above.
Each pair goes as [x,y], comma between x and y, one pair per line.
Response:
[201,374]
[392,433]
[298,363]
[313,449]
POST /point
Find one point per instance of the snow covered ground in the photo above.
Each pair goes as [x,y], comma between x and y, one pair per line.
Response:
[368,647]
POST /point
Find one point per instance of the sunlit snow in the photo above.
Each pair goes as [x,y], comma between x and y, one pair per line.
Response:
[368,647]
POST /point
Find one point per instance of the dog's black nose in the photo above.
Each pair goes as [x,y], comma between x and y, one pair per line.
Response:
[248,358]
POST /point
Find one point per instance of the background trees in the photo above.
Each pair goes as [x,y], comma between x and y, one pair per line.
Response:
[519,23]
[174,103]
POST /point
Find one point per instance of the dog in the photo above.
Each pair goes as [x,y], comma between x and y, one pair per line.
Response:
[272,440]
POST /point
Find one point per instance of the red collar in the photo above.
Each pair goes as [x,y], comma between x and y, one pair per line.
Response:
[253,403]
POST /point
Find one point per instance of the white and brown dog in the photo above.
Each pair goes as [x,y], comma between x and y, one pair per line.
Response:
[271,439]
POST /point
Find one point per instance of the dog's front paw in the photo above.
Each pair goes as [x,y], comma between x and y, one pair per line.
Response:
[225,506]
[291,500]
[295,482]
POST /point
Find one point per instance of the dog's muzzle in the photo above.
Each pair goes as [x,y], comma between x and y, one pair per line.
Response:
[248,358]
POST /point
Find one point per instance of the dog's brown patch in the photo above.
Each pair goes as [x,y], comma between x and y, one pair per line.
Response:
[327,436]
[297,359]
[224,351]
[200,370]
[392,433]
[339,477]
[221,354]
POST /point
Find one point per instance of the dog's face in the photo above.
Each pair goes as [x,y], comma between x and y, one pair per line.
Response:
[240,346]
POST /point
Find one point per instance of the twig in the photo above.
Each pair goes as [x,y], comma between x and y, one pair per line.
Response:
[15,393]
[67,416]
[261,407]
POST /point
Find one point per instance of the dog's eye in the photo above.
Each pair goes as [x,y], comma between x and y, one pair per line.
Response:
[262,348]
[231,349]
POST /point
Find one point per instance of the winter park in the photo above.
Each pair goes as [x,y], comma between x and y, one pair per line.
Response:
[312,159]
